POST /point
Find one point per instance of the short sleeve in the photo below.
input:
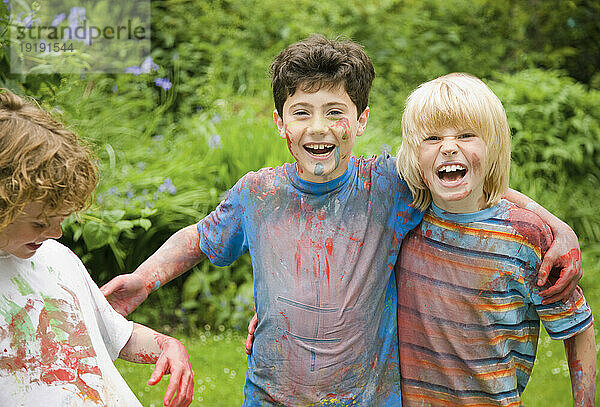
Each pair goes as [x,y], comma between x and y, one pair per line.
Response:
[114,328]
[222,235]
[561,319]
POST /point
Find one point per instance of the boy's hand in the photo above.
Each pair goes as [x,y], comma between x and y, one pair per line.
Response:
[250,337]
[125,292]
[174,360]
[564,259]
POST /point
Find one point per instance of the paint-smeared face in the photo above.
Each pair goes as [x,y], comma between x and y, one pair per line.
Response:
[453,164]
[27,232]
[320,129]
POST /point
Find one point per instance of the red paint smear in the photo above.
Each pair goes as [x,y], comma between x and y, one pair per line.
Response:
[344,125]
[329,245]
[288,134]
[60,362]
[146,357]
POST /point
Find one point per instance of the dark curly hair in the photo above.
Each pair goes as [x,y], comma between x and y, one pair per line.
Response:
[317,62]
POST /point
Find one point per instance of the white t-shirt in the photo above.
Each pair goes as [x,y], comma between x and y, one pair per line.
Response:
[58,334]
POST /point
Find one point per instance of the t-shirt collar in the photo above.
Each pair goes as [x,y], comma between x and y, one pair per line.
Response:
[478,216]
[319,188]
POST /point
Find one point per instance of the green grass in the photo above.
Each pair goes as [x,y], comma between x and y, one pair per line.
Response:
[219,363]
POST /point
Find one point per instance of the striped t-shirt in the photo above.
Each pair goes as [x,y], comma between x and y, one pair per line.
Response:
[469,307]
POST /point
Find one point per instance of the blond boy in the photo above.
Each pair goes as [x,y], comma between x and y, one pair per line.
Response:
[469,307]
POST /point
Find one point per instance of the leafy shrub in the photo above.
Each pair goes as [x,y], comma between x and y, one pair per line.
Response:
[556,150]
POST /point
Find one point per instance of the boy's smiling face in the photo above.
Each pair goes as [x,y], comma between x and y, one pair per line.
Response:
[27,232]
[453,163]
[320,128]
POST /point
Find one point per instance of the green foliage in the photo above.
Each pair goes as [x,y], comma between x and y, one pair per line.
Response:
[556,149]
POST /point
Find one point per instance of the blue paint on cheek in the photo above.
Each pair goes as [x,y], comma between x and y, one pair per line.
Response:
[319,169]
[337,156]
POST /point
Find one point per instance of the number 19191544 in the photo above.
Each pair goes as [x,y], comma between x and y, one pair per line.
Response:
[28,47]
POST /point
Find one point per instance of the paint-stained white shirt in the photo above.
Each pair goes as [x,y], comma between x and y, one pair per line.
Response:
[58,334]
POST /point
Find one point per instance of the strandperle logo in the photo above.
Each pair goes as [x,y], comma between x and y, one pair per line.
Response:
[82,32]
[68,36]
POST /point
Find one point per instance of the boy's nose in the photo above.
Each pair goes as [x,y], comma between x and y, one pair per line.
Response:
[449,147]
[319,125]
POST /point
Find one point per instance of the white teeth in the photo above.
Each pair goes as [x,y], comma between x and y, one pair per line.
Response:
[319,146]
[451,168]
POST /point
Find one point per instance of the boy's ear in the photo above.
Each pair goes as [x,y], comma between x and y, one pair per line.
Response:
[362,121]
[279,123]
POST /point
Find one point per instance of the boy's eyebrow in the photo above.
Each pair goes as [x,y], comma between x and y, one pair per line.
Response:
[306,104]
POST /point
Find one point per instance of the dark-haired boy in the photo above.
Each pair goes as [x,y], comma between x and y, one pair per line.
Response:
[323,234]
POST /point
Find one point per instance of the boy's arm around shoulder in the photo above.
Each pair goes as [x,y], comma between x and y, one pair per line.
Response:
[564,253]
[177,255]
[170,357]
[581,357]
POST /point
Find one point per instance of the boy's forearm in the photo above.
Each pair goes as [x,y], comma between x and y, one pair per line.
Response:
[144,346]
[581,356]
[525,202]
[177,255]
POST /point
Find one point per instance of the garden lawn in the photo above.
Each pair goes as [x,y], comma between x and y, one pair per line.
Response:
[219,363]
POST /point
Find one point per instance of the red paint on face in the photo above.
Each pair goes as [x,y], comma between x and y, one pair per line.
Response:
[344,125]
[288,134]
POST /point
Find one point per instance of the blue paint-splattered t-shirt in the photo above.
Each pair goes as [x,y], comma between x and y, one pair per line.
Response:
[325,295]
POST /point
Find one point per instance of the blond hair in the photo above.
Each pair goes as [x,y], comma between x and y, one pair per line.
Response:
[40,161]
[455,101]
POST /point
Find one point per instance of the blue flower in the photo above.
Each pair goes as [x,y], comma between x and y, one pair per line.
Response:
[158,137]
[58,19]
[76,15]
[168,186]
[148,65]
[136,70]
[163,83]
[215,119]
[115,88]
[215,142]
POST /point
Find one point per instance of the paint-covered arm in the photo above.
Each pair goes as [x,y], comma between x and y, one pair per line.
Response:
[581,356]
[148,346]
[177,255]
[564,253]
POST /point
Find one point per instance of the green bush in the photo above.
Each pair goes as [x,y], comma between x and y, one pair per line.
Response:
[556,150]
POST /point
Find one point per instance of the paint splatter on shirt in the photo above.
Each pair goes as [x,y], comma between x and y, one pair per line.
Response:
[469,309]
[58,335]
[322,257]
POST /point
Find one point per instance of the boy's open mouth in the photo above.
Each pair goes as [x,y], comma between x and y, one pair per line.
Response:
[451,172]
[319,148]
